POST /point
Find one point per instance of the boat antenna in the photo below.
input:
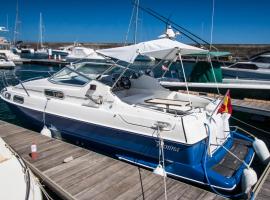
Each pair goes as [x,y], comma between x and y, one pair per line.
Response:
[179,28]
[182,29]
[165,20]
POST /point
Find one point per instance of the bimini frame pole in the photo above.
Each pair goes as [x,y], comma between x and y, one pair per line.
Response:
[213,72]
[120,76]
[184,73]
[161,60]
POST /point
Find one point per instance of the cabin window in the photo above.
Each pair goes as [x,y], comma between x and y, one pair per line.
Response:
[244,66]
[54,94]
[262,59]
[18,99]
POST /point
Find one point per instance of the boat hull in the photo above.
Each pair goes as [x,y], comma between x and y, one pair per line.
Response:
[181,160]
[245,74]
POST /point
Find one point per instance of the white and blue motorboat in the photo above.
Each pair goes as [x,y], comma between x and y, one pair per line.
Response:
[133,115]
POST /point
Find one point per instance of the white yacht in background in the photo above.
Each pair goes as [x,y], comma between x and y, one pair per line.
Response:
[63,51]
[9,55]
[5,51]
[132,117]
[83,54]
[6,64]
[6,55]
[257,68]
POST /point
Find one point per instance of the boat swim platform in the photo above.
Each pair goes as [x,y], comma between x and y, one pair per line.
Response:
[246,105]
[91,175]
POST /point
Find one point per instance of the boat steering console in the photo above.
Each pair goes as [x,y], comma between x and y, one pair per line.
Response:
[124,82]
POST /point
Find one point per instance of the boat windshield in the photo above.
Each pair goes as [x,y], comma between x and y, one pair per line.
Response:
[69,76]
[81,73]
[107,73]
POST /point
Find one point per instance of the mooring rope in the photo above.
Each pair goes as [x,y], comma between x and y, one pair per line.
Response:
[161,151]
[256,128]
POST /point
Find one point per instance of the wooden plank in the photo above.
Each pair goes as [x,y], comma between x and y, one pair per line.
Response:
[106,173]
[48,162]
[25,144]
[158,190]
[174,192]
[41,144]
[21,138]
[145,177]
[6,130]
[108,188]
[69,166]
[262,188]
[146,185]
[81,176]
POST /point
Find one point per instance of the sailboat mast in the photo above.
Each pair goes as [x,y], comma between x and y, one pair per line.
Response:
[7,23]
[15,35]
[136,22]
[40,30]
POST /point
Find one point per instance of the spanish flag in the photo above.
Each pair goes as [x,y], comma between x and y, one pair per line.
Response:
[226,106]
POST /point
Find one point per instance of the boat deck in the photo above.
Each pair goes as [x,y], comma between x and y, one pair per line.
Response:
[76,173]
[251,106]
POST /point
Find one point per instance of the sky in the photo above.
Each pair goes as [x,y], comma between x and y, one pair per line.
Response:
[235,21]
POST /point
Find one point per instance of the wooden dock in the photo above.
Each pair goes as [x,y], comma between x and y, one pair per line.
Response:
[90,175]
[261,191]
[252,106]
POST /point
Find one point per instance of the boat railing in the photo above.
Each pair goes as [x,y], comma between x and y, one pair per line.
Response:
[21,83]
[236,128]
[7,78]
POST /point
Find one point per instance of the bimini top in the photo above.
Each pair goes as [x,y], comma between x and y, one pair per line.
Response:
[161,48]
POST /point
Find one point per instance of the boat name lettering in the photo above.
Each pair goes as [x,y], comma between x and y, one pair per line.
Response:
[169,147]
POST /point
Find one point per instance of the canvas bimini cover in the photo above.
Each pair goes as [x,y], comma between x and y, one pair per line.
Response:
[161,48]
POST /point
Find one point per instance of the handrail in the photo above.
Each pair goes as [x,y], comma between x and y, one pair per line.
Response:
[23,87]
[35,71]
[4,80]
[5,83]
[21,83]
[31,79]
[241,129]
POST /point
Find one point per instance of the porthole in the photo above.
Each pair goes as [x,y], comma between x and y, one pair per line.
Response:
[54,94]
[7,95]
[18,99]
